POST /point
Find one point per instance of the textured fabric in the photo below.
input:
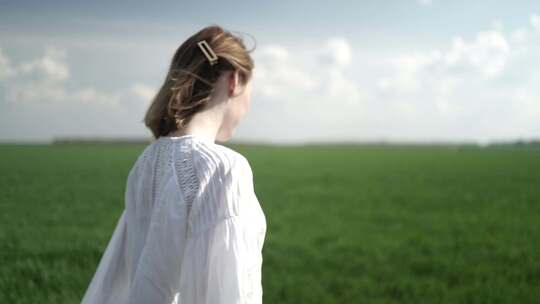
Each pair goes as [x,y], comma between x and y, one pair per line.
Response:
[192,230]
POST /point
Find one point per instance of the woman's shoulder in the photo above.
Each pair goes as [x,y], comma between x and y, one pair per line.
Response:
[140,161]
[215,158]
[222,174]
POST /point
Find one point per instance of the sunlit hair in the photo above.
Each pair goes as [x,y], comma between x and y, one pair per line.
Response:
[191,78]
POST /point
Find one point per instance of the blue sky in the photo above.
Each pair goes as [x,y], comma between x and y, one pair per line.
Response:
[414,70]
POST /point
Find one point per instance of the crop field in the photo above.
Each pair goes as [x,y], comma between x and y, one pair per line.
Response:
[345,223]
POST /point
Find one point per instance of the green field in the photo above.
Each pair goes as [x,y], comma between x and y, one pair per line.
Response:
[346,224]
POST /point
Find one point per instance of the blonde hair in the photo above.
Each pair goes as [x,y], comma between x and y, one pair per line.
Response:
[191,78]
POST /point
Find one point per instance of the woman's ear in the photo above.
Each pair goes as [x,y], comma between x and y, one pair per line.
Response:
[233,82]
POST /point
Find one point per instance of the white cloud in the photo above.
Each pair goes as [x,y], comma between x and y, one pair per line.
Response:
[315,76]
[143,91]
[6,70]
[462,90]
[279,74]
[43,80]
[519,35]
[497,25]
[482,87]
[425,2]
[44,92]
[487,55]
[336,53]
[467,88]
[408,67]
[51,65]
[527,106]
[39,90]
[535,22]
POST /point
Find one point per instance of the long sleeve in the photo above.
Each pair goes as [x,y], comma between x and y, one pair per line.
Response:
[191,232]
[110,283]
[216,265]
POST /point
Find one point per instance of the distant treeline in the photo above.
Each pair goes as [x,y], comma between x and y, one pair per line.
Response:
[141,140]
[518,143]
[100,140]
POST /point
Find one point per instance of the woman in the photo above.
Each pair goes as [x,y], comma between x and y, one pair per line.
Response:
[192,230]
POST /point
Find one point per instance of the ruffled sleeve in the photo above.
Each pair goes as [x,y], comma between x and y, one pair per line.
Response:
[110,283]
[215,265]
[216,260]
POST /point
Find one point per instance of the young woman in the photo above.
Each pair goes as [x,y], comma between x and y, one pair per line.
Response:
[192,230]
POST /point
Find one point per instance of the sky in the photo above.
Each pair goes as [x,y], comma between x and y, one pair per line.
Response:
[325,71]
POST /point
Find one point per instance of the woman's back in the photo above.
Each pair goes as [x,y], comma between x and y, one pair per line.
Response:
[192,230]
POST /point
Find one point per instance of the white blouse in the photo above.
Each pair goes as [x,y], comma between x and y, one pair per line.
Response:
[192,230]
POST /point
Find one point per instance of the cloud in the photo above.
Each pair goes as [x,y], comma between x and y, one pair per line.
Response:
[487,55]
[482,88]
[51,65]
[43,92]
[143,91]
[39,89]
[317,76]
[301,92]
[425,2]
[6,70]
[535,22]
[44,80]
[466,89]
[336,53]
[277,72]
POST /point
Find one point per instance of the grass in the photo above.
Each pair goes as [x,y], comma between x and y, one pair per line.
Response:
[345,224]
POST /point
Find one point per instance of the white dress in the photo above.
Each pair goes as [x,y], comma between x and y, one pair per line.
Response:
[192,230]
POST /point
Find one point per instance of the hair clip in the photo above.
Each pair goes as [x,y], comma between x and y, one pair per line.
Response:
[208,52]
